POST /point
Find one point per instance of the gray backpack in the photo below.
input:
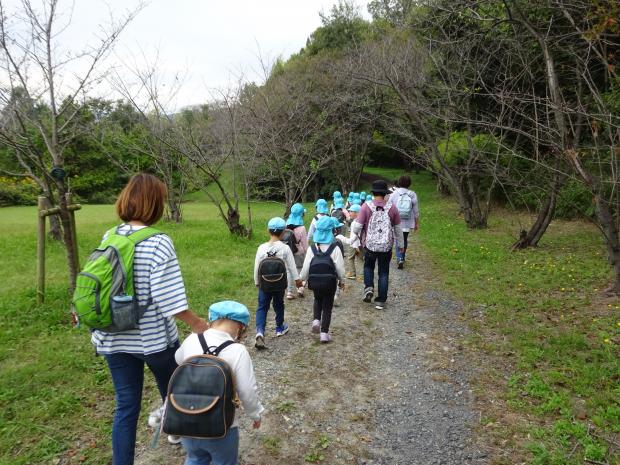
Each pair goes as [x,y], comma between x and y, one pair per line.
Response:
[379,234]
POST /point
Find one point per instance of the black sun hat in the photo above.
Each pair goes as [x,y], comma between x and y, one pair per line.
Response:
[379,187]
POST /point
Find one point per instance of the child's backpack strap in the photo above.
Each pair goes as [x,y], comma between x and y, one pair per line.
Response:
[212,350]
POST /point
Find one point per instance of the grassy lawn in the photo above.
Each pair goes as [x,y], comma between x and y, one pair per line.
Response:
[539,316]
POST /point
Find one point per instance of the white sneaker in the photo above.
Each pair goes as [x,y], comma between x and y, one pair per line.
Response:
[174,440]
[155,417]
[290,295]
[300,291]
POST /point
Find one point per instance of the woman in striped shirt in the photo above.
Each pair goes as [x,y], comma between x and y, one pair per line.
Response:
[158,283]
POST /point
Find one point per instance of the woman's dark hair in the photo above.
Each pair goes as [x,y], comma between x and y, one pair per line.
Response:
[404,181]
[143,199]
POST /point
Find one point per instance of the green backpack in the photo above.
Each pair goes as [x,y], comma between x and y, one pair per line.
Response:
[104,290]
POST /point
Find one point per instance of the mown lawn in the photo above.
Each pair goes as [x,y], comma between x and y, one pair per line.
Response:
[539,316]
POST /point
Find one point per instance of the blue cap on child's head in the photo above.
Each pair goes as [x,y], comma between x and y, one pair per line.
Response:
[230,310]
[350,196]
[337,195]
[323,233]
[276,224]
[354,208]
[339,203]
[321,206]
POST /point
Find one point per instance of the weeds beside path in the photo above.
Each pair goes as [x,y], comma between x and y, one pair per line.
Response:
[392,388]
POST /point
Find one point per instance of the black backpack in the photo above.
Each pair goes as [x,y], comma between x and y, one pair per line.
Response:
[288,237]
[272,273]
[339,215]
[322,274]
[201,398]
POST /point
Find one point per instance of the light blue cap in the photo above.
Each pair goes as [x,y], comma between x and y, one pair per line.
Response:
[336,224]
[354,208]
[356,201]
[362,195]
[356,195]
[337,195]
[339,203]
[230,310]
[321,206]
[350,196]
[276,224]
[323,233]
[296,218]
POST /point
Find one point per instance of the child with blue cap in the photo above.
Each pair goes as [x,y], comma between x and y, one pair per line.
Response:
[362,197]
[274,269]
[355,246]
[321,210]
[349,200]
[295,223]
[326,284]
[229,321]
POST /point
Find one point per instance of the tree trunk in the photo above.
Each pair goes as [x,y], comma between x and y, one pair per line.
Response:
[55,231]
[234,224]
[609,228]
[175,212]
[545,216]
[68,238]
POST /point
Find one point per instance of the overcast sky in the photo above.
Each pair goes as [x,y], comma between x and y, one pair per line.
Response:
[206,41]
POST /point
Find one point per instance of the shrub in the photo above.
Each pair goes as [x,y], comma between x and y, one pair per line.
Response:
[18,191]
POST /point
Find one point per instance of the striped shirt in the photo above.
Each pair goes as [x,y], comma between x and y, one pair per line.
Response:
[156,274]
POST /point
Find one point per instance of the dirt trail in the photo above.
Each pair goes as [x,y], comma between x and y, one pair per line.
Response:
[392,387]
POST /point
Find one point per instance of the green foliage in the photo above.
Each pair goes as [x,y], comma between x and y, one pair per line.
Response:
[18,191]
[342,27]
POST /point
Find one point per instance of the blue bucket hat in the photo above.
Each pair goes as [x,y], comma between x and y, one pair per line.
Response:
[355,208]
[296,218]
[230,310]
[350,196]
[337,195]
[339,203]
[323,233]
[321,206]
[276,224]
[362,196]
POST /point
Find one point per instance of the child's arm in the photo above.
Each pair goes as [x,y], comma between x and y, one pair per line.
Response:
[256,263]
[247,389]
[291,268]
[339,263]
[306,266]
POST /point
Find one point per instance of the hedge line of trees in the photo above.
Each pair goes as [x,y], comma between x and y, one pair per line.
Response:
[515,102]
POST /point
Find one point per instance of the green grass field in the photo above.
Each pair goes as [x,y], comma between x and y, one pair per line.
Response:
[552,337]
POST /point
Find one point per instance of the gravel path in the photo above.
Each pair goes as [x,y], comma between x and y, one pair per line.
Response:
[392,387]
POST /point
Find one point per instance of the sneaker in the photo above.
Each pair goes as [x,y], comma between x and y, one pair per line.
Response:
[174,440]
[316,326]
[260,342]
[290,295]
[300,292]
[379,305]
[351,275]
[336,302]
[325,338]
[281,330]
[368,293]
[155,417]
[401,263]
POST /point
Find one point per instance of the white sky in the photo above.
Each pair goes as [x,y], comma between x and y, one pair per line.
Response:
[205,41]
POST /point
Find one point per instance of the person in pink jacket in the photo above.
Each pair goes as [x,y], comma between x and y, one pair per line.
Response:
[295,223]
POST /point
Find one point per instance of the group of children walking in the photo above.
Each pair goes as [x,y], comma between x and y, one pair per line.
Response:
[215,372]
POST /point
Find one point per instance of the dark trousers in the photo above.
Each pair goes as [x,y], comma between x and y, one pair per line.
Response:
[264,302]
[401,256]
[382,259]
[128,378]
[323,305]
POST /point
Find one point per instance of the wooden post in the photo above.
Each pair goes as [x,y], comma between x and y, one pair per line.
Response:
[74,244]
[41,251]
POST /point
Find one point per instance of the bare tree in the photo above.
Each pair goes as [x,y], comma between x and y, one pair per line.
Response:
[34,67]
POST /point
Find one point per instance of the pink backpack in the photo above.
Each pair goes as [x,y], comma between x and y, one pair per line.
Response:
[379,234]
